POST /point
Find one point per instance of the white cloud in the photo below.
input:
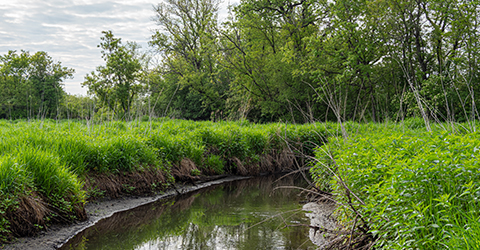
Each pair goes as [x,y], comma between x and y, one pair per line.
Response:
[69,31]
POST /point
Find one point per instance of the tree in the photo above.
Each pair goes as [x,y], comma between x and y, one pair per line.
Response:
[186,40]
[345,61]
[432,44]
[31,85]
[46,81]
[264,47]
[117,83]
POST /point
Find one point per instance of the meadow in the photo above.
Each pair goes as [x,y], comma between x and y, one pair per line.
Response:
[49,169]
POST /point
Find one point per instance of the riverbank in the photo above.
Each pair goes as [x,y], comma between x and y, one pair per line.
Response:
[240,214]
[56,235]
[403,186]
[49,169]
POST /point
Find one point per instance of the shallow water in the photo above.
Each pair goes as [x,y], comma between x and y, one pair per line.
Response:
[247,214]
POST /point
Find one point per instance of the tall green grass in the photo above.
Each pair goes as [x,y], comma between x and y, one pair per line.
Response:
[416,189]
[53,158]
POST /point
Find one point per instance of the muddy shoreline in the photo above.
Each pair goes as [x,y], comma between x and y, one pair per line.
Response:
[56,235]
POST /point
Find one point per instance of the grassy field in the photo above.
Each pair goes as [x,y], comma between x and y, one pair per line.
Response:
[405,187]
[49,169]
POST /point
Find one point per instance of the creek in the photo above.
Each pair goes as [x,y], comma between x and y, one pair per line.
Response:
[245,214]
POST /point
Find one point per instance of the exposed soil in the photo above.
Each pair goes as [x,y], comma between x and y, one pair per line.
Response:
[57,235]
[321,216]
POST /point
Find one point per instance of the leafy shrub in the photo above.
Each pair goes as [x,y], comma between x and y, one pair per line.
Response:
[420,190]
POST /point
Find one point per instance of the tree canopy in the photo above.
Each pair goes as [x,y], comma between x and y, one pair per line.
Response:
[275,60]
[303,60]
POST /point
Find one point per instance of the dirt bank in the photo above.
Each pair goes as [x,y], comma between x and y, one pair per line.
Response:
[57,235]
[320,214]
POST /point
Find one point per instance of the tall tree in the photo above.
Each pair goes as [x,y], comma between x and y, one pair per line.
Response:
[264,47]
[117,83]
[186,39]
[46,79]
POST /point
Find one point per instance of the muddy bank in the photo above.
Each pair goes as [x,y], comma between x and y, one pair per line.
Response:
[57,235]
[30,220]
[321,215]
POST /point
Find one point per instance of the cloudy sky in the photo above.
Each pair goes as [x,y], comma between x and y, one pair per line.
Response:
[69,30]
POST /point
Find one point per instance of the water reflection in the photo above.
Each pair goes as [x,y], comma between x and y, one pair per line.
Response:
[245,214]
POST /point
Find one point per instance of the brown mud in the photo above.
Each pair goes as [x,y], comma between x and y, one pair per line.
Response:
[321,216]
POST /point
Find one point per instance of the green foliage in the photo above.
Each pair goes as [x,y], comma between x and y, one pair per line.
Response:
[116,84]
[296,61]
[26,169]
[195,172]
[419,189]
[300,61]
[265,45]
[128,146]
[13,177]
[14,183]
[195,84]
[77,107]
[51,177]
[215,163]
[31,85]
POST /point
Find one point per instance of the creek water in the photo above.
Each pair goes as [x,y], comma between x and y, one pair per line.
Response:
[246,214]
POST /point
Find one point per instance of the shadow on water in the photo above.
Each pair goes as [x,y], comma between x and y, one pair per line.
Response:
[246,214]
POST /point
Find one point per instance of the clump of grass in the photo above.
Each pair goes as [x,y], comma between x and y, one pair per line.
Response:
[49,176]
[28,171]
[14,183]
[215,163]
[13,177]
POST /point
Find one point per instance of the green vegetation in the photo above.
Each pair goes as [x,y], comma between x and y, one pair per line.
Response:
[270,61]
[50,168]
[299,60]
[116,84]
[410,185]
[412,188]
[31,85]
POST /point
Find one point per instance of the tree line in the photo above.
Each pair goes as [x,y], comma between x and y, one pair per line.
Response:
[279,60]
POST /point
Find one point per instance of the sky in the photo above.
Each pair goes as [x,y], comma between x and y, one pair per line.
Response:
[70,30]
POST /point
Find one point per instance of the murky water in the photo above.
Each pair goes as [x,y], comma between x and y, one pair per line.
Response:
[247,214]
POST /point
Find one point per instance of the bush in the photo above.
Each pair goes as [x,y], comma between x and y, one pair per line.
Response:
[420,190]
